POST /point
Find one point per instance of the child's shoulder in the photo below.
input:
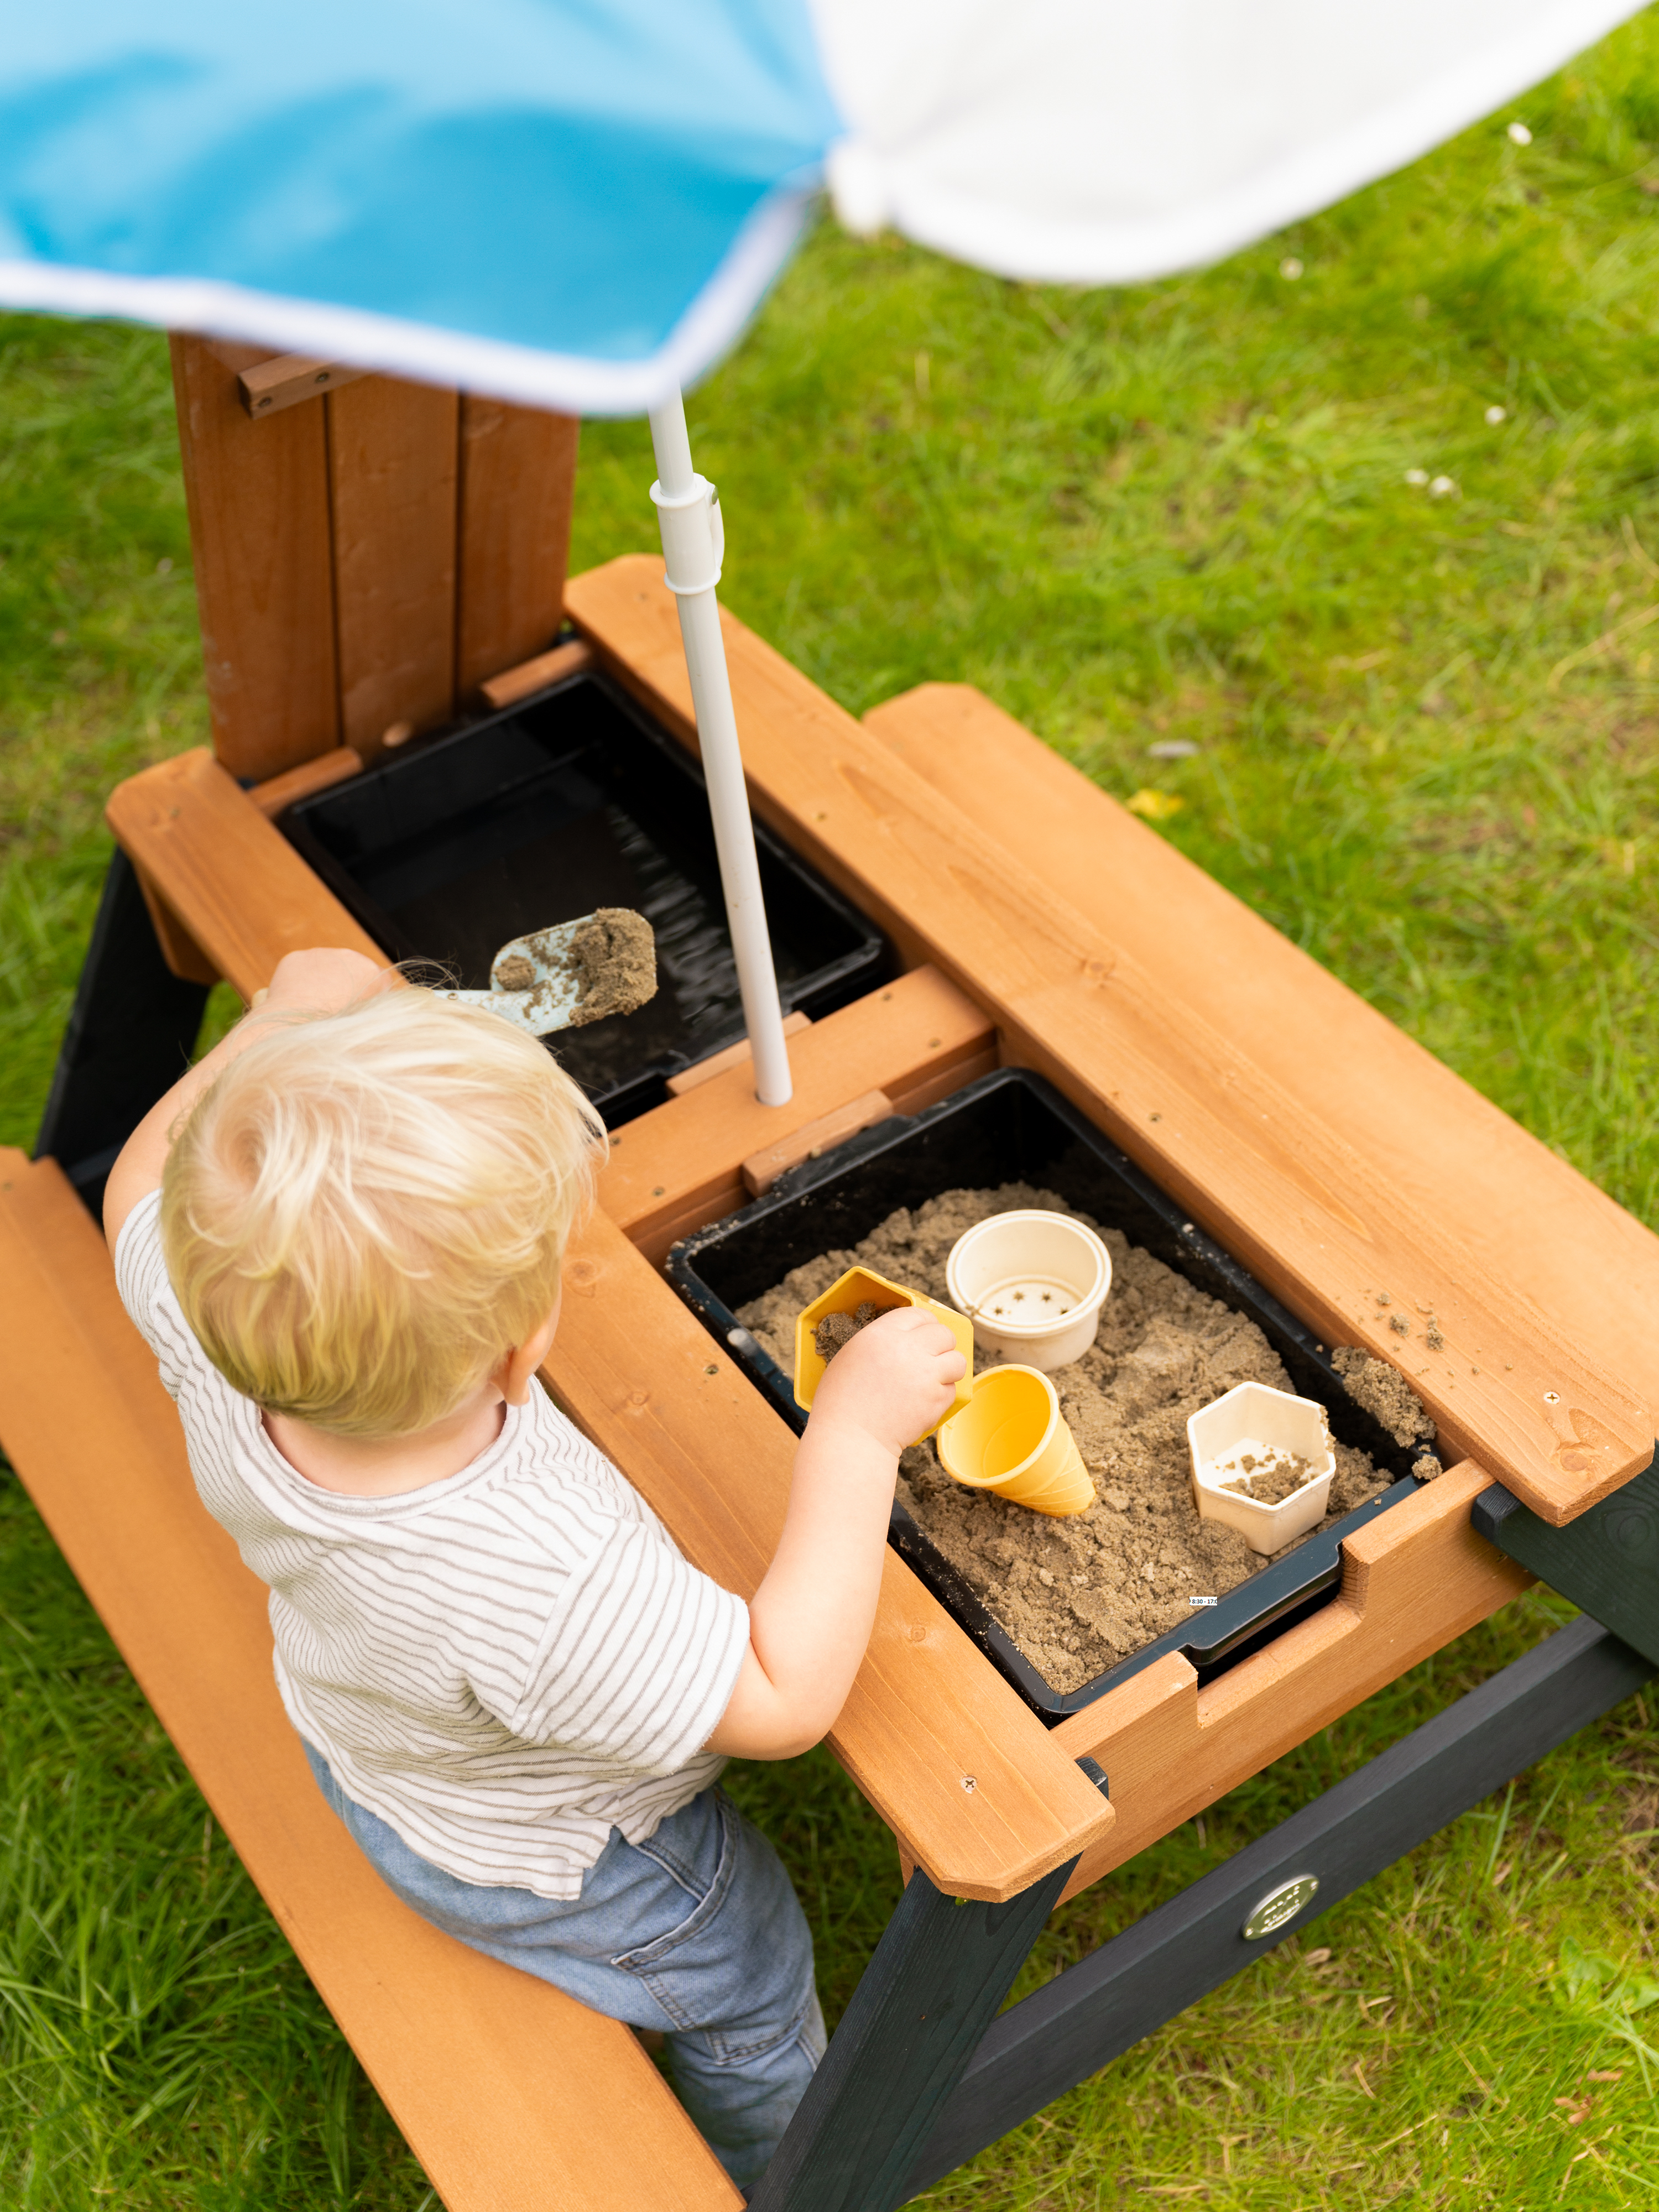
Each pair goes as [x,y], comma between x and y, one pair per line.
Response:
[549,1468]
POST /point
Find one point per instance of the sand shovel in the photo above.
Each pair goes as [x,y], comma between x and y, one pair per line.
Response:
[576,972]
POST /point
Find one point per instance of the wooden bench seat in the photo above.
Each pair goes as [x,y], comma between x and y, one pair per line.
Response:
[514,2098]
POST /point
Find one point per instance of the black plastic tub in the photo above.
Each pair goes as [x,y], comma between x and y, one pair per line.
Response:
[1014,1126]
[572,800]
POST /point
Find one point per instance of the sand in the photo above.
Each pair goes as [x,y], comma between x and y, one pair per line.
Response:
[613,957]
[1078,1595]
[610,959]
[1272,1481]
[837,1329]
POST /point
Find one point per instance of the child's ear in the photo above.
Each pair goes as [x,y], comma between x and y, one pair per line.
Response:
[512,1377]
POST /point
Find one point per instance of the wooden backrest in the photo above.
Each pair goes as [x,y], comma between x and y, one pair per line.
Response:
[364,557]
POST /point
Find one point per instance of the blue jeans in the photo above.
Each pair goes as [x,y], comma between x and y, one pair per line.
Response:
[696,1932]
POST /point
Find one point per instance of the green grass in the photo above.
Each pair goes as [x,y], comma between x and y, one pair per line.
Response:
[1428,730]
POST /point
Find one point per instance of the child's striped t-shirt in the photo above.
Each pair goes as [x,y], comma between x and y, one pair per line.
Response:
[503,1665]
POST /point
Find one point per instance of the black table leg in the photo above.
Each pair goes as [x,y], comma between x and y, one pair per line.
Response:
[1607,1561]
[941,1970]
[130,1037]
[1107,2002]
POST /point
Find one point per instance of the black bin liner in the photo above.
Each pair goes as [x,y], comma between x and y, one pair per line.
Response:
[572,800]
[1014,1126]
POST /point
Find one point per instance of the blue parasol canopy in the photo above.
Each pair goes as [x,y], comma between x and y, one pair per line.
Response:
[579,202]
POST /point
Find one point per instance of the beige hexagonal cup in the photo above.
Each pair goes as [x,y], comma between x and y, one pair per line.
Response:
[1261,1425]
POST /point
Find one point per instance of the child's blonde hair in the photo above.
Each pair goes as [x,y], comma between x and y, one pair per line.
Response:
[368,1208]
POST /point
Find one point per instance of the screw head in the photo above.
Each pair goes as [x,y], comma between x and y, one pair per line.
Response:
[1552,1397]
[970,1783]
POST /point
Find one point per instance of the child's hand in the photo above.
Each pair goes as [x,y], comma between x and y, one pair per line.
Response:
[323,981]
[893,1380]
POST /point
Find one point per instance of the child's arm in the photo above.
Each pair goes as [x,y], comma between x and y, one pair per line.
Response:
[810,1620]
[313,982]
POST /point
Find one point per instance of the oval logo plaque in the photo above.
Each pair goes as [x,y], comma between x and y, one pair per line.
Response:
[1281,1904]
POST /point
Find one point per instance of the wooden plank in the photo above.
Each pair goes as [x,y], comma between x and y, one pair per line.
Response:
[518,482]
[322,774]
[928,1716]
[813,1139]
[1325,1228]
[258,495]
[182,954]
[235,883]
[735,1055]
[1525,1214]
[680,1166]
[512,2097]
[535,675]
[289,378]
[1412,1579]
[392,472]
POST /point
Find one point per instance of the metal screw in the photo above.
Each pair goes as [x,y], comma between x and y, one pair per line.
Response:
[711,1370]
[970,1783]
[657,1189]
[1552,1397]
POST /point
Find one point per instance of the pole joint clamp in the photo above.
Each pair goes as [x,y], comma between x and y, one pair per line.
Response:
[693,537]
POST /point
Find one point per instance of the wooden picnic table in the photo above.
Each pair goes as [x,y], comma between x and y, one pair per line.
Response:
[385,554]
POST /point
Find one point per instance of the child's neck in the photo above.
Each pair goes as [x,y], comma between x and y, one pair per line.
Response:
[386,1466]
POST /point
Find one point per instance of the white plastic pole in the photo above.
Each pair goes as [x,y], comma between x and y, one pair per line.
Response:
[693,541]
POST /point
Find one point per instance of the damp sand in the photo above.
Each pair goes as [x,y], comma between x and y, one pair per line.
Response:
[1078,1595]
[611,960]
[613,957]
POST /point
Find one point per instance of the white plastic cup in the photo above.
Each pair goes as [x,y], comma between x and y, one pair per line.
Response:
[1254,1419]
[1033,1283]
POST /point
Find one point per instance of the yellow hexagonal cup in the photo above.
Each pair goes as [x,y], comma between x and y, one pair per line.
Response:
[1013,1439]
[863,1286]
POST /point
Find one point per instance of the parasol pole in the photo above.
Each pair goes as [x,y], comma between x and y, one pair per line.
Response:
[693,543]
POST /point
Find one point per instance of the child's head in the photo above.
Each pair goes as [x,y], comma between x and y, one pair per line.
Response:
[367,1209]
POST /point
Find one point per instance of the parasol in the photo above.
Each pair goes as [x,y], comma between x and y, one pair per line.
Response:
[579,203]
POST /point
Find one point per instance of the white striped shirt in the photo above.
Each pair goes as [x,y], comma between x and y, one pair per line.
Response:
[502,1665]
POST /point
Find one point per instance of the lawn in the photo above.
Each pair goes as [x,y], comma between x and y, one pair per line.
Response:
[1339,563]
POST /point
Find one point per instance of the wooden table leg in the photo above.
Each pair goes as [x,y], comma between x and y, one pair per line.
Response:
[940,1971]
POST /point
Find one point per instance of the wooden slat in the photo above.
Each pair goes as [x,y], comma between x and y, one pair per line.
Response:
[182,954]
[1522,1212]
[1322,1226]
[512,2097]
[517,480]
[1412,1579]
[280,792]
[393,465]
[257,495]
[735,1055]
[809,1142]
[235,883]
[535,675]
[290,378]
[681,1166]
[927,1714]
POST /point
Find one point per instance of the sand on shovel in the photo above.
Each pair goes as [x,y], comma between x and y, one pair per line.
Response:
[612,961]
